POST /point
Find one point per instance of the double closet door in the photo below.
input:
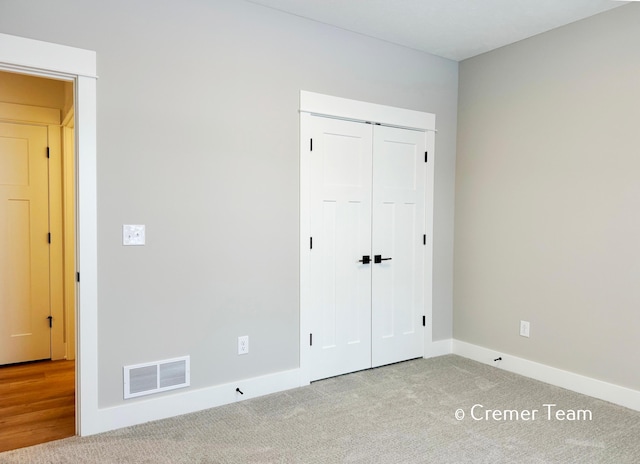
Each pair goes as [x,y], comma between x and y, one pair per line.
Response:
[367,258]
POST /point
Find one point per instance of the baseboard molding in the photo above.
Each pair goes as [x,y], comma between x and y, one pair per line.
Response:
[440,348]
[176,404]
[575,382]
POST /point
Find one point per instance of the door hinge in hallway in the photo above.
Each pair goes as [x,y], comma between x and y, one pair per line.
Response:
[49,237]
[311,243]
[48,154]
[310,144]
[77,277]
[310,339]
[50,321]
[424,321]
[424,239]
[426,155]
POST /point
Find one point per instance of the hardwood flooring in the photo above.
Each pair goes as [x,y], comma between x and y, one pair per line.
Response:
[37,403]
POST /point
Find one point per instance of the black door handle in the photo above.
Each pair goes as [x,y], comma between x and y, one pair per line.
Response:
[378,259]
[366,259]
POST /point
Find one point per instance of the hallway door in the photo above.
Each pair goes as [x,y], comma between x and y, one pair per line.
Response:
[25,333]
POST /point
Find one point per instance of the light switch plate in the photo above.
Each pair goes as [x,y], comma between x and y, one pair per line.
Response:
[133,234]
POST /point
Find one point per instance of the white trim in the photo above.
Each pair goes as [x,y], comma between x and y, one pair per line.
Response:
[342,108]
[87,256]
[558,377]
[325,105]
[45,59]
[186,402]
[439,348]
[305,233]
[429,231]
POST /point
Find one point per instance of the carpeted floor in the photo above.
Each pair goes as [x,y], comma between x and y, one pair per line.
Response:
[403,413]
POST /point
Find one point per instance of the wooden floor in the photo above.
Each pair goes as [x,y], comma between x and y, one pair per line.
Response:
[37,403]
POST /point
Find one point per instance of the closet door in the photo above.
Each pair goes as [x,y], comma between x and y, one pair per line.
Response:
[399,173]
[340,165]
[367,252]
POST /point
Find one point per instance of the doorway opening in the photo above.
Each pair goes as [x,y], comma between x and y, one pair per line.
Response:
[45,59]
[38,265]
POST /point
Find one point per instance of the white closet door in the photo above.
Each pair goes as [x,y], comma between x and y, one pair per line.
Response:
[340,165]
[399,172]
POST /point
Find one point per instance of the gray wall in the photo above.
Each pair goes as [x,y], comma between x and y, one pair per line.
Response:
[198,139]
[547,211]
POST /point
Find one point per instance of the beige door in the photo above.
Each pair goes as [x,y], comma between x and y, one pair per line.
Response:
[25,333]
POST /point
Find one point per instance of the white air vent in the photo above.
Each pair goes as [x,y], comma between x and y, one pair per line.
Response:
[155,377]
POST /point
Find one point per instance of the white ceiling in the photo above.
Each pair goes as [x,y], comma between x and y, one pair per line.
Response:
[454,29]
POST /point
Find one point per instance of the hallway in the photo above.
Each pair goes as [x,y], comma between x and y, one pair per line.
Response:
[37,403]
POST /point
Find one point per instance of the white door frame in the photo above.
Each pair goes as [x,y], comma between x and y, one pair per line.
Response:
[37,58]
[325,105]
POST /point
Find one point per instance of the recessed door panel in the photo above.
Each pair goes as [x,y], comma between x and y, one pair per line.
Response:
[14,159]
[327,337]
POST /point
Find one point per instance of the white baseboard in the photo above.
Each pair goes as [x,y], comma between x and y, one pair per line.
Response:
[440,348]
[176,404]
[575,382]
[162,407]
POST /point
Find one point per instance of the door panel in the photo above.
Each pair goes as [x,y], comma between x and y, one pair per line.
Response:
[367,199]
[24,250]
[341,230]
[398,227]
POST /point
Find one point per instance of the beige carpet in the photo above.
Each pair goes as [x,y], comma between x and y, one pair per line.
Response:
[403,413]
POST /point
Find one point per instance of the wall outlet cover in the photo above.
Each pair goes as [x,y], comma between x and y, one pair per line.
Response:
[243,344]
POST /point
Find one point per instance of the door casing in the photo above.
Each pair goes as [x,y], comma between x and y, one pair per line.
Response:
[44,59]
[318,104]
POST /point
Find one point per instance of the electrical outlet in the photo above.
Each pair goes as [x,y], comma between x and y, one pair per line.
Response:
[243,344]
[524,329]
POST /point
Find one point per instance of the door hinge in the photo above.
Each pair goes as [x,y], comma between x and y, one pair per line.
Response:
[49,237]
[424,321]
[48,154]
[50,321]
[424,239]
[311,243]
[310,144]
[77,277]
[310,339]
[426,156]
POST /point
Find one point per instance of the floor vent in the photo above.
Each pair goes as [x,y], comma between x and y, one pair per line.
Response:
[156,377]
